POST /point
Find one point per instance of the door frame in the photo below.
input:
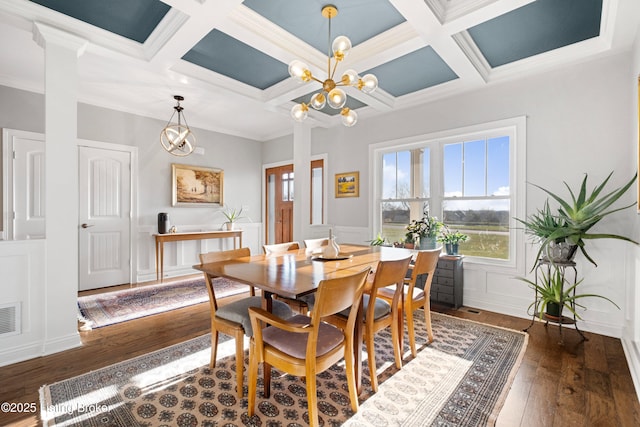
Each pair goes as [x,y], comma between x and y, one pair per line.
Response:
[133,190]
[265,214]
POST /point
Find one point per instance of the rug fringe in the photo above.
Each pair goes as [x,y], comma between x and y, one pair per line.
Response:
[85,323]
[44,397]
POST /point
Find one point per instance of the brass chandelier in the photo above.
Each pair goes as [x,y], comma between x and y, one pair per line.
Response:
[177,138]
[331,92]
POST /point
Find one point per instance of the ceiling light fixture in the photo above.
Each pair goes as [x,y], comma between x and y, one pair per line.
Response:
[178,139]
[331,92]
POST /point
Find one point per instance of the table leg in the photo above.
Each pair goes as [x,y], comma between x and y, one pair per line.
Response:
[161,262]
[401,322]
[157,261]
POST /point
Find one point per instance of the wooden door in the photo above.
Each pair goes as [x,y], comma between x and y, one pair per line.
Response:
[105,217]
[279,200]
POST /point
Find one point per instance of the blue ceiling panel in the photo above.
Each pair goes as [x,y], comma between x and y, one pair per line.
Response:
[357,19]
[414,71]
[538,27]
[134,20]
[351,103]
[228,56]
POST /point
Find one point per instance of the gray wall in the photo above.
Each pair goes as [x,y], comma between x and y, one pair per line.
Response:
[242,179]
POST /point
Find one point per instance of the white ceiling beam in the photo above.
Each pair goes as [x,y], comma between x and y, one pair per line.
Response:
[201,19]
[427,24]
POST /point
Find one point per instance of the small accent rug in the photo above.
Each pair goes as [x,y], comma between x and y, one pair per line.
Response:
[461,379]
[109,308]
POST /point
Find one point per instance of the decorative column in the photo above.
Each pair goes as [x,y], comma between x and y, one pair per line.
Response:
[302,180]
[61,52]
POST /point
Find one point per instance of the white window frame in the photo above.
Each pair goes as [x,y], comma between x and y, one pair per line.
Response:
[516,129]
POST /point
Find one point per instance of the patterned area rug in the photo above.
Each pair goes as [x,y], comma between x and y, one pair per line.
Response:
[108,308]
[461,379]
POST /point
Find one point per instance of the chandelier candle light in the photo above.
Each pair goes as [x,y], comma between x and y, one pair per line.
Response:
[335,96]
[178,139]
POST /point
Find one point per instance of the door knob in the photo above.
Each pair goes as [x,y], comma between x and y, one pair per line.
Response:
[86,225]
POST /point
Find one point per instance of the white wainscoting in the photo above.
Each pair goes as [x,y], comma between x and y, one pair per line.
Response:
[179,257]
[497,289]
[355,235]
[23,283]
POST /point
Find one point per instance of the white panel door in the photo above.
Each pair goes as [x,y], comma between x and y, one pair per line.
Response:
[28,188]
[104,217]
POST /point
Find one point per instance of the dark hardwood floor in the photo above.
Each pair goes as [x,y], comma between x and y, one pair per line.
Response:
[575,384]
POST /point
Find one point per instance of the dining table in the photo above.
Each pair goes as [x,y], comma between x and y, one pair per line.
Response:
[296,273]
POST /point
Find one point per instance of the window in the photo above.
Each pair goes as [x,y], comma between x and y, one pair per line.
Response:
[287,187]
[465,178]
[476,197]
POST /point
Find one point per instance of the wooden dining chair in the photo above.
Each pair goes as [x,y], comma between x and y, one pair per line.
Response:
[277,248]
[298,305]
[233,318]
[414,297]
[380,313]
[306,346]
[312,244]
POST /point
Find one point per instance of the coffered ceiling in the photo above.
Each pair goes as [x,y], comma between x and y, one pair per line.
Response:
[229,58]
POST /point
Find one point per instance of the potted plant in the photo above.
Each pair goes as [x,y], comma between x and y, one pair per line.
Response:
[554,293]
[380,240]
[544,225]
[232,215]
[574,218]
[452,240]
[425,230]
[409,241]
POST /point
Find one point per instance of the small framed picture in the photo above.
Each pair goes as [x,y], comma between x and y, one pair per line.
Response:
[348,184]
[196,186]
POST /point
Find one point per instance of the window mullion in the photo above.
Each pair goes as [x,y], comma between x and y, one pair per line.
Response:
[436,191]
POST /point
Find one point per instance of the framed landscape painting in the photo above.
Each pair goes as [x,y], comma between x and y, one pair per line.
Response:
[196,186]
[348,184]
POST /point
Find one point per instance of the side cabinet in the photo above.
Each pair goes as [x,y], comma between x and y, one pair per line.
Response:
[447,284]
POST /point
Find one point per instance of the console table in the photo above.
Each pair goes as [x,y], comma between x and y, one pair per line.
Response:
[196,235]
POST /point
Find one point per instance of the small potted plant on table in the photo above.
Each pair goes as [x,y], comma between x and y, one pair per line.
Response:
[452,240]
[409,240]
[232,215]
[425,230]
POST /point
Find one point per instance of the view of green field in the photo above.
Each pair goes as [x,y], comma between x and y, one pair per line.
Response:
[484,241]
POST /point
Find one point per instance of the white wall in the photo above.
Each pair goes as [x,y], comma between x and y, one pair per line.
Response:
[631,336]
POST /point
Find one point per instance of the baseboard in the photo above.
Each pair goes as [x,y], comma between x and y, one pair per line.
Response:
[20,353]
[62,343]
[511,310]
[632,353]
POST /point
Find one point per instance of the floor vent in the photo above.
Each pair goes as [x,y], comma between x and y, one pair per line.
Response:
[9,319]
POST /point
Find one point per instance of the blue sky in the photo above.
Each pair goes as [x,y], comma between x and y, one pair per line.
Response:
[465,164]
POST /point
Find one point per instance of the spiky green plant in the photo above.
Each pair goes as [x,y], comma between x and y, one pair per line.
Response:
[554,288]
[232,214]
[380,240]
[577,216]
[544,225]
